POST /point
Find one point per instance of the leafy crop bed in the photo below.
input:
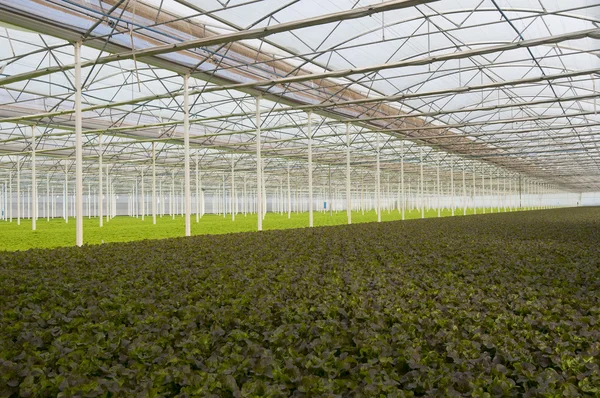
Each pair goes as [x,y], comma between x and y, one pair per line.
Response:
[56,232]
[505,304]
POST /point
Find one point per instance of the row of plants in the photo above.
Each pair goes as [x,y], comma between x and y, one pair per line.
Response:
[496,305]
[56,232]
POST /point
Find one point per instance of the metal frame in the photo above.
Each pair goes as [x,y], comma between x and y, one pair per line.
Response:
[160,87]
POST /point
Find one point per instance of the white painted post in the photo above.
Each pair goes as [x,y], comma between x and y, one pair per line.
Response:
[264,189]
[310,176]
[153,183]
[511,195]
[491,192]
[100,174]
[197,191]
[452,201]
[483,202]
[201,194]
[18,191]
[259,210]
[232,188]
[464,186]
[10,196]
[172,201]
[402,178]
[498,192]
[143,197]
[78,150]
[474,193]
[224,202]
[289,193]
[245,196]
[48,196]
[34,199]
[348,182]
[186,149]
[107,194]
[66,199]
[439,197]
[422,183]
[378,182]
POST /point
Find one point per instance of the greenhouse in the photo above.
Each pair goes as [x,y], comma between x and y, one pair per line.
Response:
[123,122]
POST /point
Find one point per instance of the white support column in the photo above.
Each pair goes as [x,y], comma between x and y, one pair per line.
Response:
[378,181]
[498,192]
[511,196]
[232,188]
[153,183]
[113,202]
[289,193]
[422,204]
[66,196]
[202,202]
[224,197]
[107,194]
[245,196]
[186,149]
[464,186]
[387,199]
[259,211]
[10,197]
[48,196]
[280,197]
[78,150]
[172,198]
[264,189]
[34,199]
[491,193]
[143,197]
[362,196]
[348,182]
[310,176]
[398,199]
[403,209]
[483,203]
[161,199]
[197,192]
[18,191]
[439,196]
[100,174]
[452,194]
[474,194]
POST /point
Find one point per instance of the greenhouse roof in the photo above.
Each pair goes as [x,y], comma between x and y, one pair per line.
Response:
[498,86]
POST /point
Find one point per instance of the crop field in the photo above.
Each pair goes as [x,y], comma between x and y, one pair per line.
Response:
[500,304]
[56,232]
